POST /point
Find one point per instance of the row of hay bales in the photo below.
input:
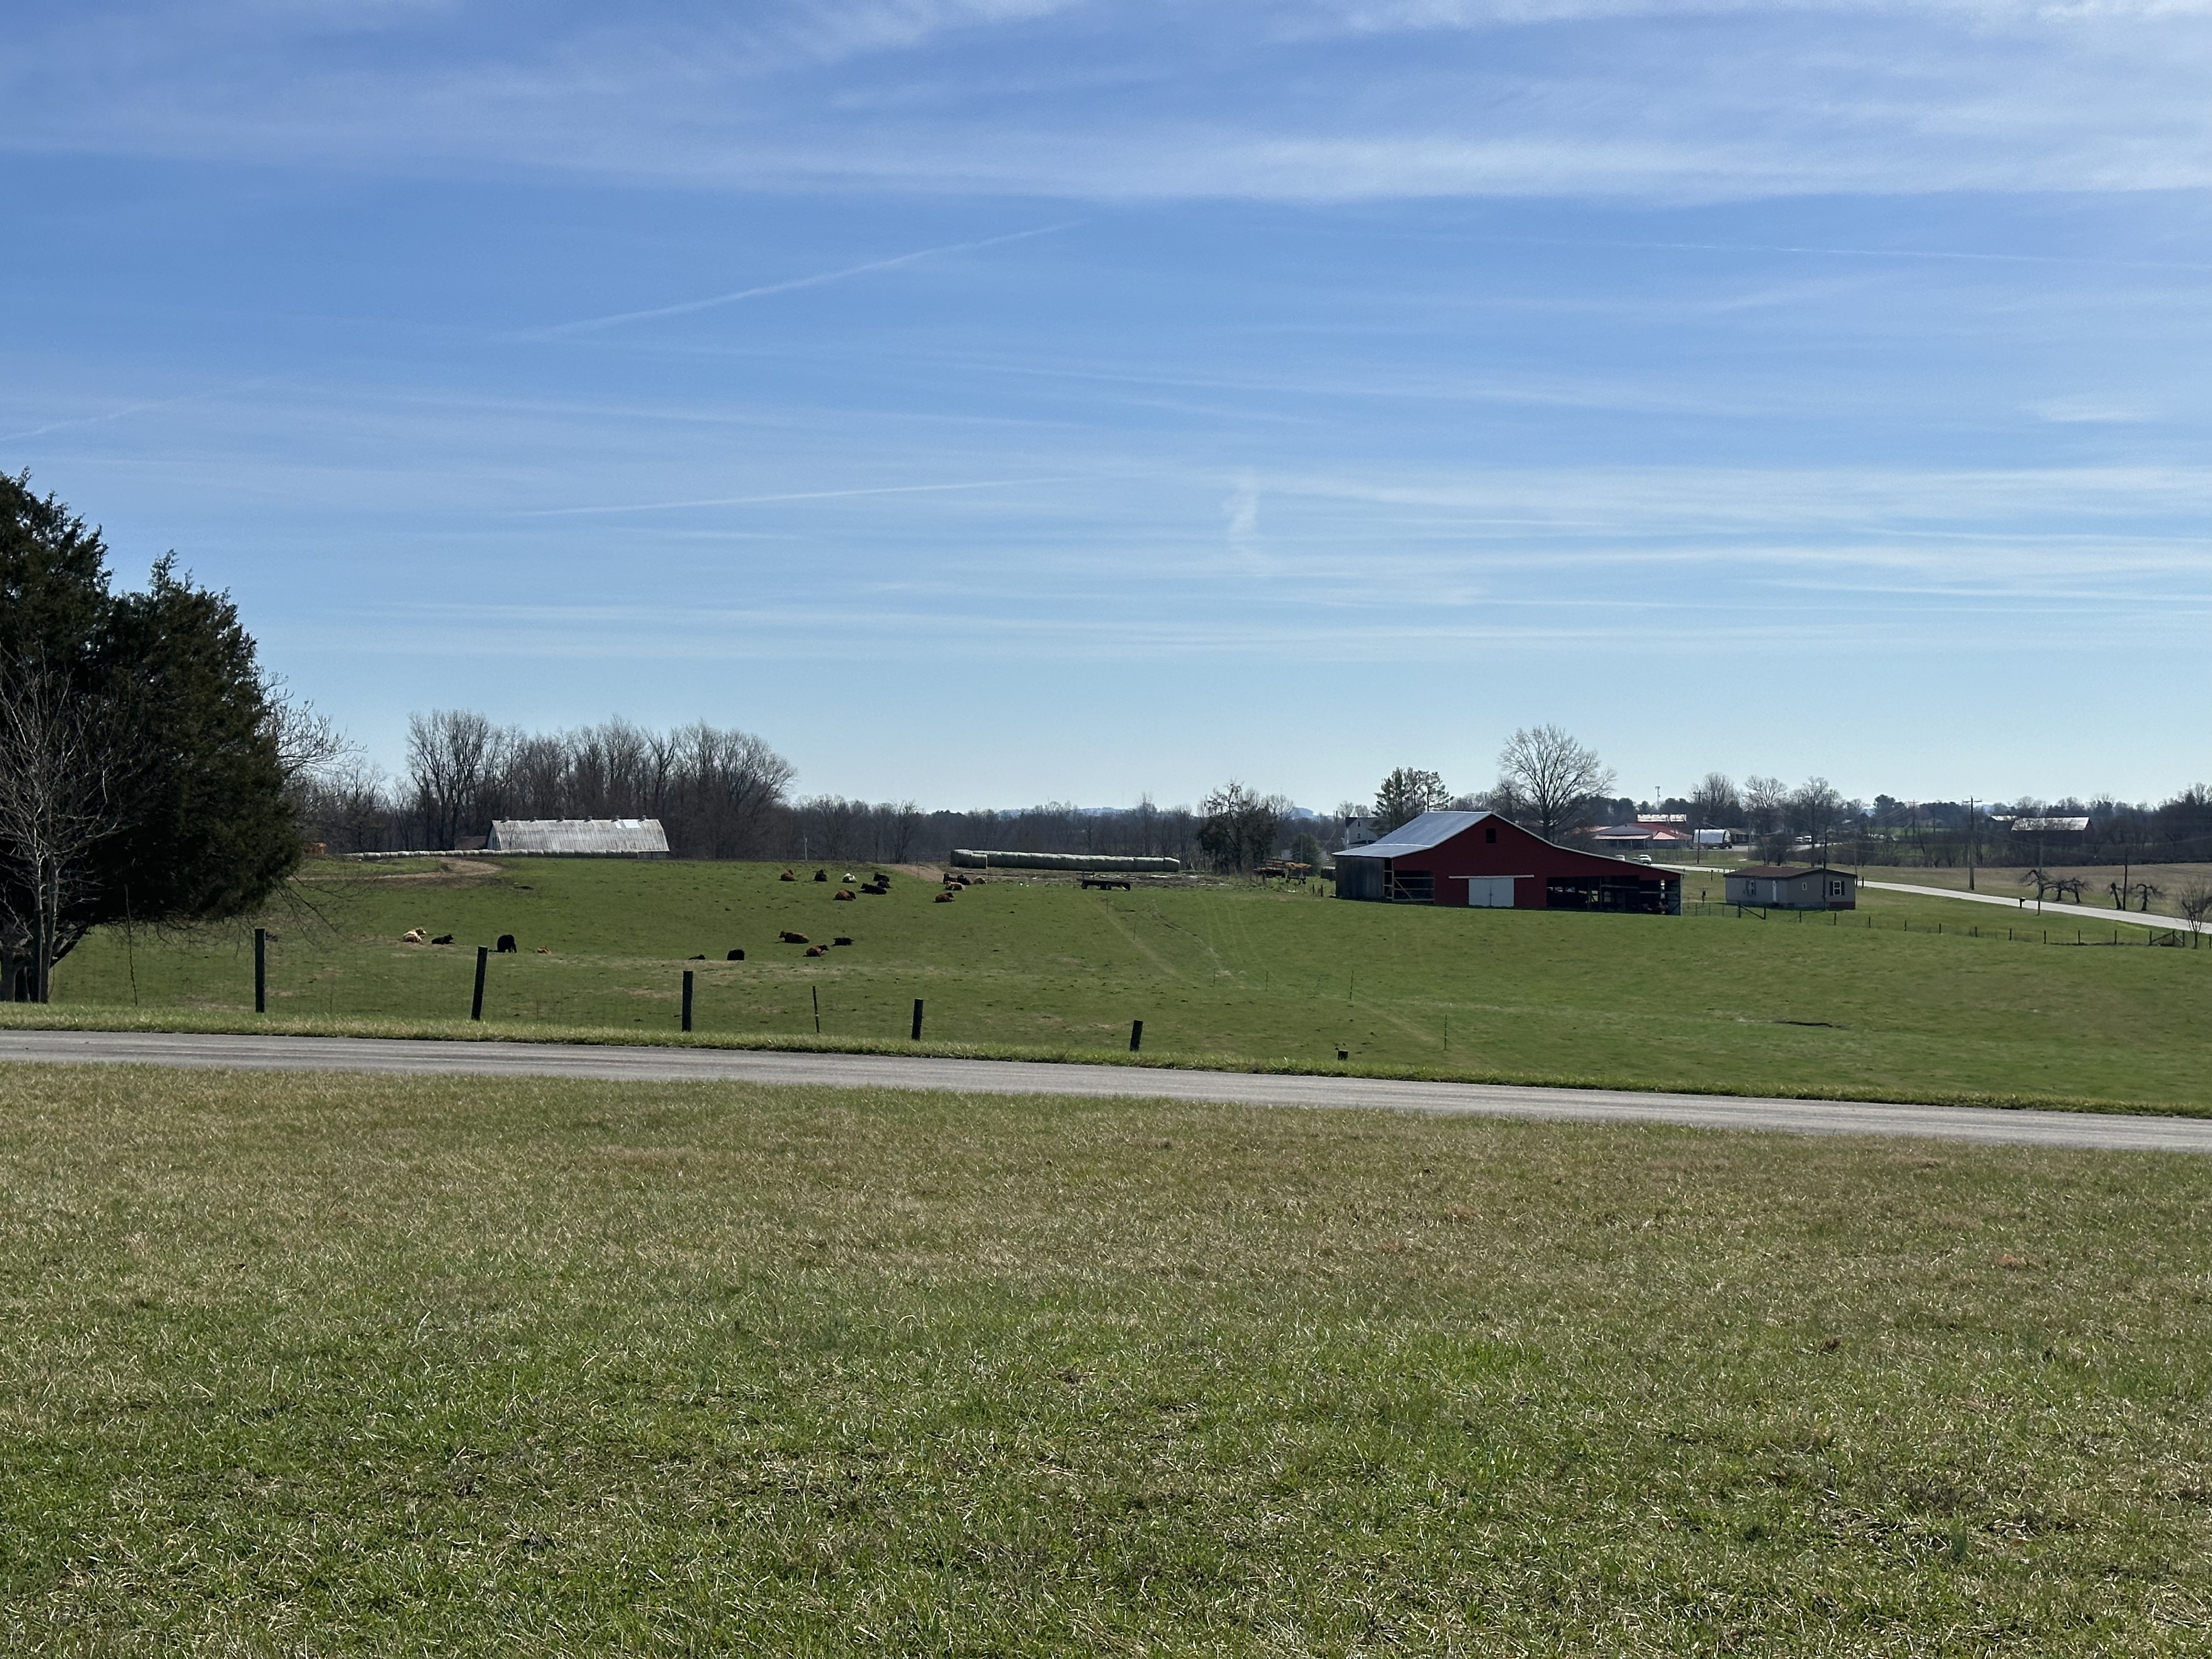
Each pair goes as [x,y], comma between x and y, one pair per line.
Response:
[968,858]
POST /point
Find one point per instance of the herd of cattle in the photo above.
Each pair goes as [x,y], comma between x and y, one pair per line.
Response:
[877,883]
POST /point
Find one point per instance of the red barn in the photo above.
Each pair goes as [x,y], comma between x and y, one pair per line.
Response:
[1482,860]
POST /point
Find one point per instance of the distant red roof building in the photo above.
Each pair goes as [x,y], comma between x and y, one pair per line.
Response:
[1481,859]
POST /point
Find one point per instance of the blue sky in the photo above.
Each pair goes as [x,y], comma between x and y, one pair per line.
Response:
[1016,399]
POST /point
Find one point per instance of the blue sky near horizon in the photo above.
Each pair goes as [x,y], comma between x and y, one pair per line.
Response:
[1024,399]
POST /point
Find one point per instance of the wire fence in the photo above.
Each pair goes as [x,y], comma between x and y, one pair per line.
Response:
[2033,928]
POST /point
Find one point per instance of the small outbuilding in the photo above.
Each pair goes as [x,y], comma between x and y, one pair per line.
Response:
[631,838]
[1792,887]
[1482,860]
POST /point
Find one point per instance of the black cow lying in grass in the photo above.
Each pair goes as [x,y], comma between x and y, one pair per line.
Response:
[506,945]
[790,938]
[443,938]
[736,955]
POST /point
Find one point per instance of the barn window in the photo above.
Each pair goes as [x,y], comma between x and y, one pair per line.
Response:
[1490,833]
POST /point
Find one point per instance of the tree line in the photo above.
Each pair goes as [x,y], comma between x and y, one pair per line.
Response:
[1549,782]
[726,793]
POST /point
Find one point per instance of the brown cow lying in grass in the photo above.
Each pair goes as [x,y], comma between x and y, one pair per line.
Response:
[843,893]
[790,938]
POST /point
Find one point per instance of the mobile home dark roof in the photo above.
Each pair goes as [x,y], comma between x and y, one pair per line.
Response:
[1430,829]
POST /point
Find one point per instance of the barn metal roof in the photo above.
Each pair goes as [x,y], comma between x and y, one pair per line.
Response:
[576,835]
[1430,829]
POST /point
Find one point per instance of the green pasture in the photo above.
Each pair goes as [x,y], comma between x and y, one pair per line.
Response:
[329,1364]
[1846,1004]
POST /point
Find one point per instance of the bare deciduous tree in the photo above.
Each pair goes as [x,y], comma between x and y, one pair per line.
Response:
[63,776]
[1764,798]
[1813,810]
[453,756]
[2194,902]
[1554,779]
[1239,827]
[1715,804]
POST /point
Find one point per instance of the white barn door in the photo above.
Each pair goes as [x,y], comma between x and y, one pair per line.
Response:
[1491,892]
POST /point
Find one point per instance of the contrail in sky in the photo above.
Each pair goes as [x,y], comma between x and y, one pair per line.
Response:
[126,410]
[796,495]
[592,325]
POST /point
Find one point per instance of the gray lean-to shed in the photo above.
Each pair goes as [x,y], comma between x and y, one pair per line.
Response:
[635,838]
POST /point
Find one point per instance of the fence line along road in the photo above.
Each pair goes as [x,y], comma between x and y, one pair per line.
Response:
[2114,1132]
[2081,914]
[2020,905]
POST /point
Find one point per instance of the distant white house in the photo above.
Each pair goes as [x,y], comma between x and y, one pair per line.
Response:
[634,838]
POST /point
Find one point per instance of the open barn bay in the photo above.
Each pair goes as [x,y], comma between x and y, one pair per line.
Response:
[1232,975]
[342,1364]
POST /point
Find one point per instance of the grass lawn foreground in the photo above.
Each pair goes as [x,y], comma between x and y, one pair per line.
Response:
[336,1364]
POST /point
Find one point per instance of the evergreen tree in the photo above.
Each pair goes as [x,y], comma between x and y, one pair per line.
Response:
[1405,795]
[152,707]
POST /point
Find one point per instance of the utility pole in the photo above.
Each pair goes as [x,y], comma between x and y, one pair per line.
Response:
[1973,838]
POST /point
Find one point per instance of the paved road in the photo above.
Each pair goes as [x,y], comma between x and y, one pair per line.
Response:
[2088,918]
[287,1054]
[2053,915]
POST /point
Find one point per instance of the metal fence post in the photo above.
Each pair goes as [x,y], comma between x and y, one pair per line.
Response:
[916,1036]
[476,1002]
[260,971]
[1136,1035]
[687,999]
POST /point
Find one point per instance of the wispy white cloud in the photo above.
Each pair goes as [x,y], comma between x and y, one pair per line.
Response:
[2090,410]
[1363,101]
